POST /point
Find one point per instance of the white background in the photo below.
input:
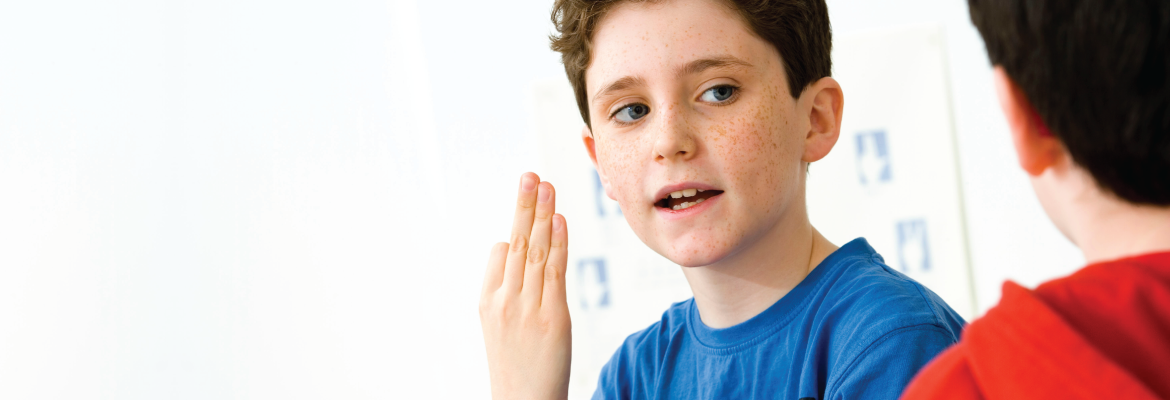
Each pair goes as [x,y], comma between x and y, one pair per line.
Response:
[262,199]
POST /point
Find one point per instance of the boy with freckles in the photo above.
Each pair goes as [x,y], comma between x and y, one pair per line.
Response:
[702,117]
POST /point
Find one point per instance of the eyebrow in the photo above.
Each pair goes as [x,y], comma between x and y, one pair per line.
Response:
[620,84]
[698,66]
[691,68]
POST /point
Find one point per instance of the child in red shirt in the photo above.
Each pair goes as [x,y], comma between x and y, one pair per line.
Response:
[1085,87]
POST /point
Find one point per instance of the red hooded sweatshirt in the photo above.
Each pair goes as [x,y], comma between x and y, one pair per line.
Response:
[1101,333]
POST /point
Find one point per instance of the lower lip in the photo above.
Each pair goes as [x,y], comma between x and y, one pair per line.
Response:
[669,214]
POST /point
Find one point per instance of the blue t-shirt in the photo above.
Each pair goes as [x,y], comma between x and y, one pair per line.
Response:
[854,328]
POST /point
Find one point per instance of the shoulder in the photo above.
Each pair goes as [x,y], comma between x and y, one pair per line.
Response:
[948,376]
[872,300]
[882,326]
[641,352]
[1136,274]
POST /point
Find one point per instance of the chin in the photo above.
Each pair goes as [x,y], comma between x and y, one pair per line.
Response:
[693,252]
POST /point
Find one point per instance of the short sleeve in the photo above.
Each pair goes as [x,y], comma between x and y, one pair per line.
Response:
[613,383]
[624,375]
[885,367]
[607,384]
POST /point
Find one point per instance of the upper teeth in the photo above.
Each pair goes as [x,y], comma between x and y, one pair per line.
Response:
[684,193]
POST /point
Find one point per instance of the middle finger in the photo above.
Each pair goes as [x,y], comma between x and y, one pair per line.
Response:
[538,244]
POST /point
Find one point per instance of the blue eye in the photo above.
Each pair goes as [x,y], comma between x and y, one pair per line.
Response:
[718,94]
[631,113]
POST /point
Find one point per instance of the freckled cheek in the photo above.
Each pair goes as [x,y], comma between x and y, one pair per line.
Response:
[755,155]
[743,149]
[780,160]
[624,172]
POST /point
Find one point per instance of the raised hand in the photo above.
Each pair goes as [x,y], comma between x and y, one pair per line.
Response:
[523,311]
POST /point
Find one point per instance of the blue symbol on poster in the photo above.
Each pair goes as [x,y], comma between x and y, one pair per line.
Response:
[873,157]
[913,248]
[600,197]
[594,284]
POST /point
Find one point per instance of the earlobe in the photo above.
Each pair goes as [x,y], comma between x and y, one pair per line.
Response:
[591,148]
[1036,148]
[828,105]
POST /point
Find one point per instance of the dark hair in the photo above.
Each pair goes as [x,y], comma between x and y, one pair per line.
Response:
[1096,72]
[799,29]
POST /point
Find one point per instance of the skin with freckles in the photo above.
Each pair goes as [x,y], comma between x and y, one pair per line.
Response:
[669,121]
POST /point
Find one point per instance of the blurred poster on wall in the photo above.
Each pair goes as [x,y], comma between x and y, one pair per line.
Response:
[891,178]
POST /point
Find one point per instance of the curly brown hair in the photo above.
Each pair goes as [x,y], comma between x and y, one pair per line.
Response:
[799,29]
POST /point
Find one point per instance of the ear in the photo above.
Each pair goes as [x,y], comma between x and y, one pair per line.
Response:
[1036,148]
[591,147]
[828,103]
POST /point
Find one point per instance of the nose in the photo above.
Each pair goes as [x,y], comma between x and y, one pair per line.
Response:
[675,137]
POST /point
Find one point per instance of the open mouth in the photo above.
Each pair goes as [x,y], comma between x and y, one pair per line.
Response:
[686,198]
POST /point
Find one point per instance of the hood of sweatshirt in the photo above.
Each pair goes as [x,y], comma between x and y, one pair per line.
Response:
[1025,349]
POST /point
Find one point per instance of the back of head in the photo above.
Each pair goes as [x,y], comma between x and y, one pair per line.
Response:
[799,29]
[1097,73]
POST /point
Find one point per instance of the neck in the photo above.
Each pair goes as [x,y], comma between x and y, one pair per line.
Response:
[1102,225]
[1114,229]
[746,283]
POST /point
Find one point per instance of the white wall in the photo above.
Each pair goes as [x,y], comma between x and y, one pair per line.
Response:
[263,199]
[1009,235]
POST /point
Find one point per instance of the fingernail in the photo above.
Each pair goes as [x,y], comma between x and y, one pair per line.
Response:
[558,223]
[527,183]
[544,194]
